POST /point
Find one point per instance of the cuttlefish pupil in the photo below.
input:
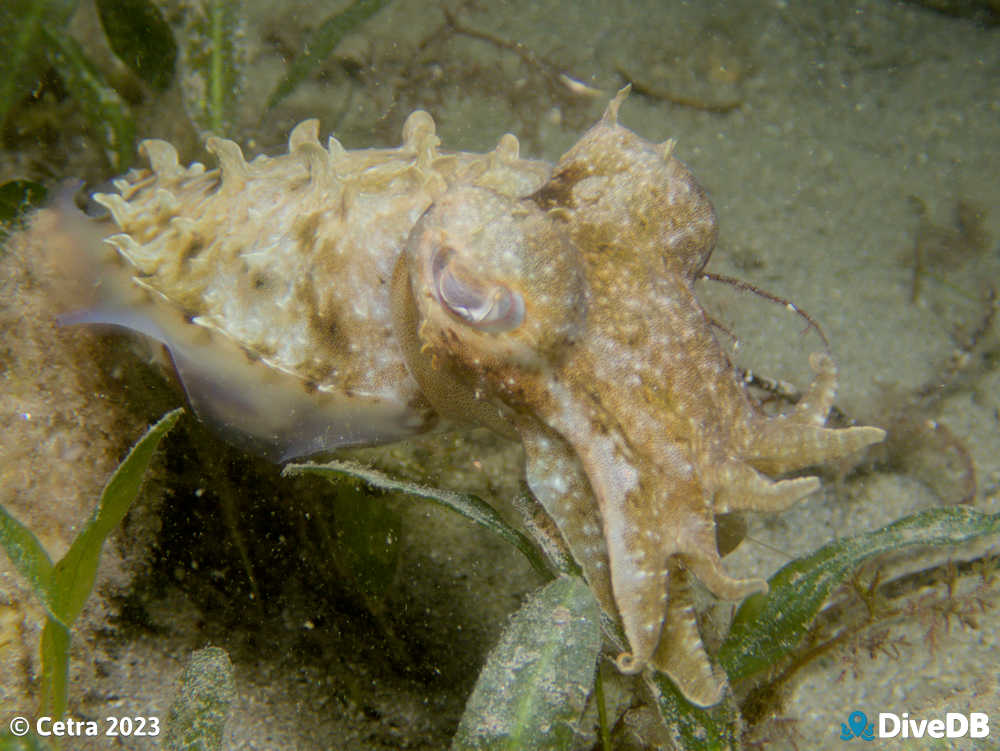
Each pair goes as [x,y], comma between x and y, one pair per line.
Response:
[491,308]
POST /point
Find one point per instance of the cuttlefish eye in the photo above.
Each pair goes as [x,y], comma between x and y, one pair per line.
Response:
[493,283]
[484,305]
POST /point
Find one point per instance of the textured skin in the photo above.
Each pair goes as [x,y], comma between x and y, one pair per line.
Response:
[636,429]
[283,266]
[326,297]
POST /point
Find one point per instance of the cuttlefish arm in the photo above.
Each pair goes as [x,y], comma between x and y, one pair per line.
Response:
[480,344]
[636,430]
[557,479]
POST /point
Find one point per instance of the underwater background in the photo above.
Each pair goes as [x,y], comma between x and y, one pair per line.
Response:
[852,152]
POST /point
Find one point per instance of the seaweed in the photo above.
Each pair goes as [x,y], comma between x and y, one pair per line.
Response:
[323,41]
[17,198]
[768,630]
[64,587]
[465,504]
[141,38]
[533,689]
[200,50]
[198,716]
[42,41]
[212,60]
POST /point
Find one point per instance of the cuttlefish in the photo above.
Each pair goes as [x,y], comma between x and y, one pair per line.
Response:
[328,298]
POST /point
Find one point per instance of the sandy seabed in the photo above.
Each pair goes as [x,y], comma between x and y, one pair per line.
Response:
[836,140]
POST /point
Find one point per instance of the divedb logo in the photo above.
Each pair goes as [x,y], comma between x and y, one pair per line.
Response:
[890,725]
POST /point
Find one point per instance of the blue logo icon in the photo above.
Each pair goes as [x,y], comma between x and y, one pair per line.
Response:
[857,727]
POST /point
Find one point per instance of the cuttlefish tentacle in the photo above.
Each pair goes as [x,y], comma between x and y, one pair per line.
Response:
[814,406]
[651,521]
[787,446]
[798,439]
[639,545]
[743,488]
[559,484]
[680,653]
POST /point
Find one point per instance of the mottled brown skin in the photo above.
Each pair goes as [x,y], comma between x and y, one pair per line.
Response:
[268,281]
[325,298]
[569,319]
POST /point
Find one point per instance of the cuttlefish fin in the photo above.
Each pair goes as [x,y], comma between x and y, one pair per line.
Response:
[255,407]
